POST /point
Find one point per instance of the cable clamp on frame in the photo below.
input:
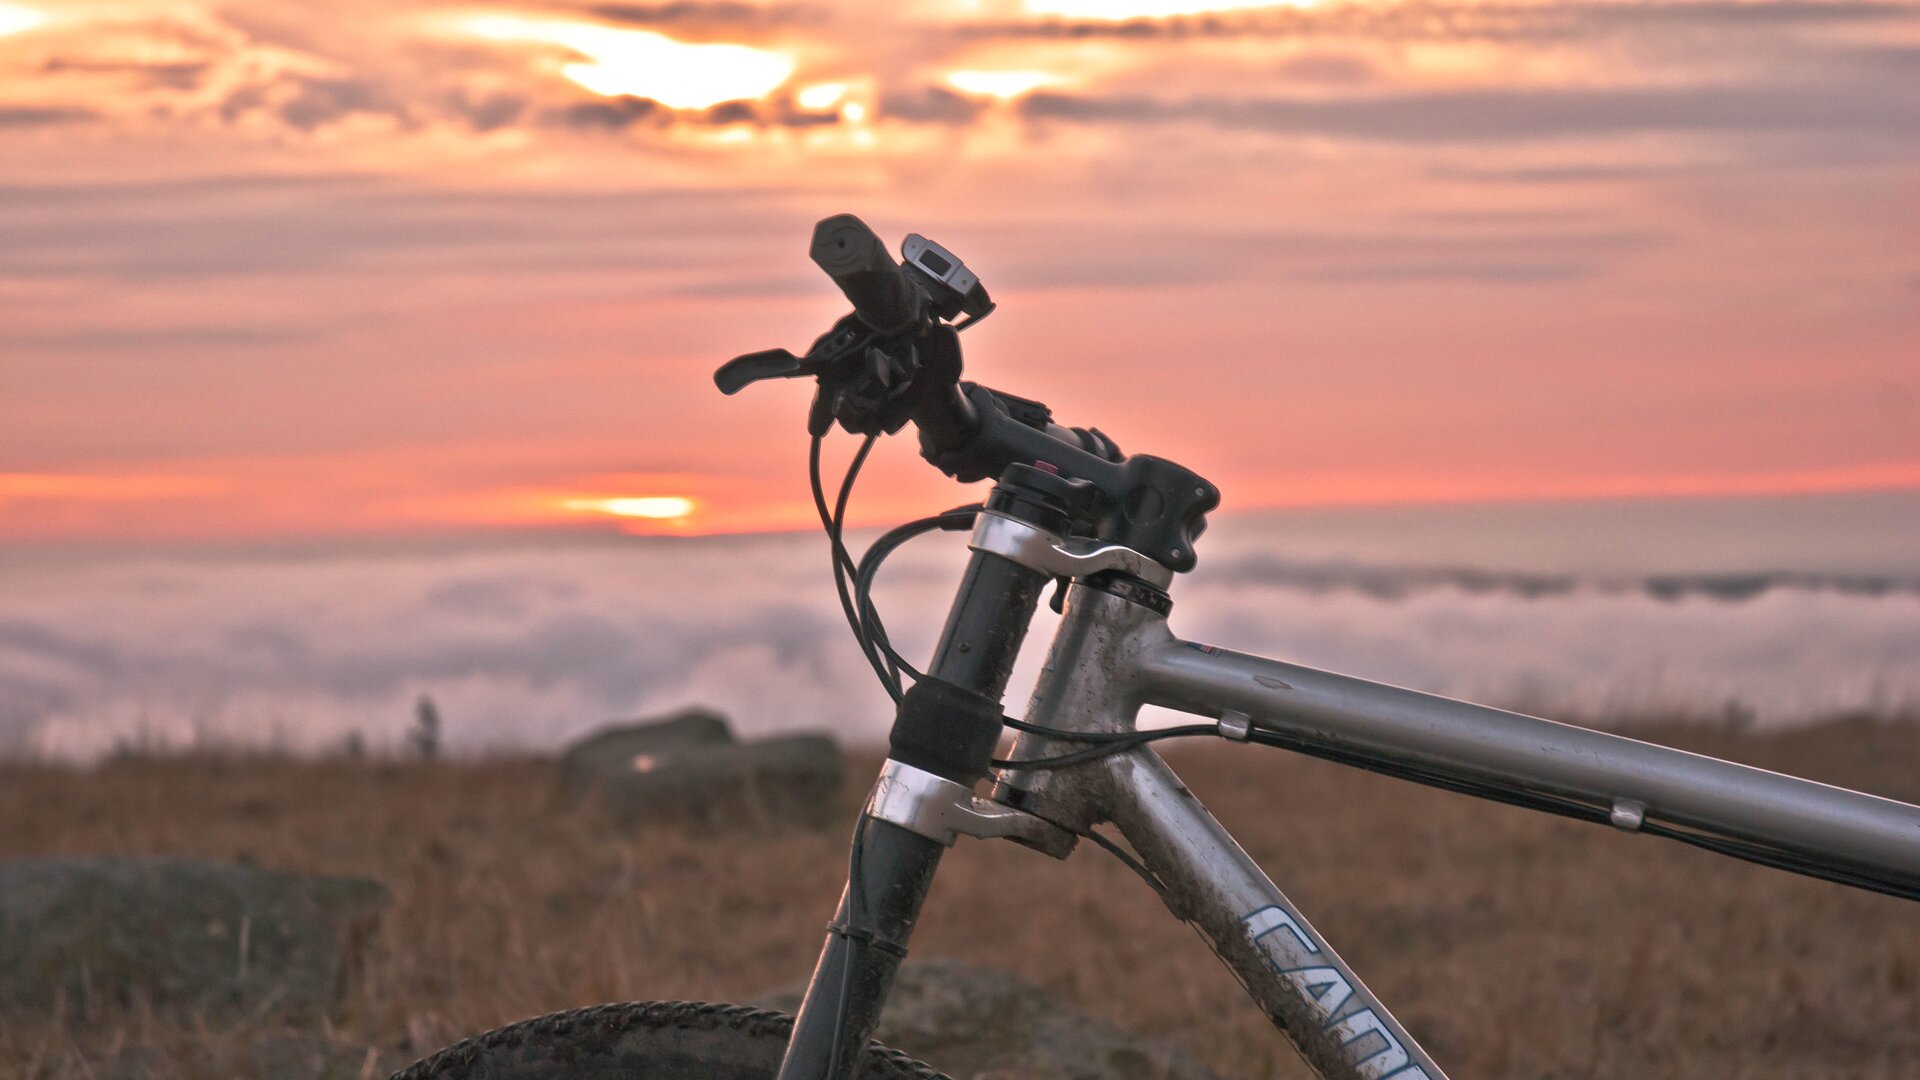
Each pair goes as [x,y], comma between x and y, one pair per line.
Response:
[943,811]
[1627,815]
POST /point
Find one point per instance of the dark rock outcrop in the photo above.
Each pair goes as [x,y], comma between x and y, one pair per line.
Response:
[687,769]
[619,750]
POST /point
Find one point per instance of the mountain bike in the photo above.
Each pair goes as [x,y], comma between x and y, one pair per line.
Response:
[1111,531]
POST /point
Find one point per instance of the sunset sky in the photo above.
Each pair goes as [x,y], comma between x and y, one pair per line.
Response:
[273,268]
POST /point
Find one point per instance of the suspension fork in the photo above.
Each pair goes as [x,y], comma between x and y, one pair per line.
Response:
[947,726]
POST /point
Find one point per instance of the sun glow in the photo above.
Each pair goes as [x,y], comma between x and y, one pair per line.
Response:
[822,96]
[16,18]
[651,507]
[1121,10]
[1000,84]
[644,64]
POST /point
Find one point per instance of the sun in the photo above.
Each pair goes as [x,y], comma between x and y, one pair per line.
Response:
[1004,85]
[17,18]
[647,507]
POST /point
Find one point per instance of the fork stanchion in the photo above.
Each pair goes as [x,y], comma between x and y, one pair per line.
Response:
[948,725]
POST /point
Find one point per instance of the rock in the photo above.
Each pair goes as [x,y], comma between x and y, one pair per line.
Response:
[794,778]
[975,1023]
[687,768]
[619,750]
[179,932]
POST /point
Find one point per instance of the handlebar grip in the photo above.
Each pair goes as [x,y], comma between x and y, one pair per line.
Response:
[858,262]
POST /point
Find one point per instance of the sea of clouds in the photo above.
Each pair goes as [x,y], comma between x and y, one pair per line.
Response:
[523,644]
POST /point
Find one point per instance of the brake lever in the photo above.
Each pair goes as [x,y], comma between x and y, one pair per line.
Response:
[847,338]
[869,383]
[742,371]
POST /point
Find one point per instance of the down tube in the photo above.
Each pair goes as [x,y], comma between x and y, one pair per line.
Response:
[1088,684]
[1303,985]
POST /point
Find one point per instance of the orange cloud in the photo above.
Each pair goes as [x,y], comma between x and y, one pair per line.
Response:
[376,273]
[1412,487]
[1129,10]
[73,487]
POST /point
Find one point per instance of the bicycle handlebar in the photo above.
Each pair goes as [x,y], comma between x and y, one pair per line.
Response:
[857,261]
[896,360]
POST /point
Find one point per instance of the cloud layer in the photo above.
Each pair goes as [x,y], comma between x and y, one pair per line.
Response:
[524,645]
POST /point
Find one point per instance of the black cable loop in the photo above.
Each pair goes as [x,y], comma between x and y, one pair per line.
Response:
[1099,736]
[843,565]
[1116,743]
[844,559]
[1126,857]
[957,518]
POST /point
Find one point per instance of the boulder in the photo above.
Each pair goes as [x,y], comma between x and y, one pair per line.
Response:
[619,750]
[687,768]
[975,1023]
[793,778]
[179,932]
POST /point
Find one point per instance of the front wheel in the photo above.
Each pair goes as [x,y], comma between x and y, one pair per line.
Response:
[641,1040]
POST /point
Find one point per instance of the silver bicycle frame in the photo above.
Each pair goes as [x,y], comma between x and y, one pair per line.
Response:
[1111,656]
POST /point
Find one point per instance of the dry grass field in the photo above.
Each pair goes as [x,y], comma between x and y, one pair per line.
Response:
[1513,944]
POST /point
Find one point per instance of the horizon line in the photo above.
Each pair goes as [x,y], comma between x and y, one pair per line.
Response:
[602,530]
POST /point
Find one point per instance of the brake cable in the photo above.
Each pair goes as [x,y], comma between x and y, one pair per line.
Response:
[833,521]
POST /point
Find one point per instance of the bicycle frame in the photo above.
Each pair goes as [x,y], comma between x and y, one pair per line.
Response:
[1111,656]
[1068,505]
[1114,653]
